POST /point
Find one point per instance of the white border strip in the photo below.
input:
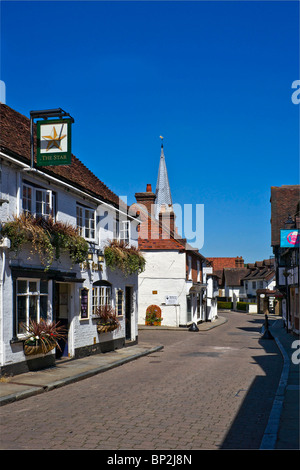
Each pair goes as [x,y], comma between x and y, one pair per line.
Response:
[271,432]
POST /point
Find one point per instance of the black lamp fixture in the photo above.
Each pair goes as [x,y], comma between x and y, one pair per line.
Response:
[90,253]
[289,221]
[100,256]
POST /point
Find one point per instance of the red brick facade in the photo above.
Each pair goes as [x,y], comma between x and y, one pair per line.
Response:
[219,264]
[154,234]
[162,234]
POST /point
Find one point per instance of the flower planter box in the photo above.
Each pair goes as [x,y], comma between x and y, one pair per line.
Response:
[106,328]
[30,350]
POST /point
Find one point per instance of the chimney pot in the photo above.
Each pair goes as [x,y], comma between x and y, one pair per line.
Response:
[149,188]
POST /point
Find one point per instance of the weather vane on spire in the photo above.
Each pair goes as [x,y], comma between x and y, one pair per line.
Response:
[161,137]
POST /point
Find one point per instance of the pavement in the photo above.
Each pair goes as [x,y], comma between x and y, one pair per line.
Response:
[282,431]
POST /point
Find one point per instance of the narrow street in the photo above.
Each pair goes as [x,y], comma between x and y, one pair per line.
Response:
[204,390]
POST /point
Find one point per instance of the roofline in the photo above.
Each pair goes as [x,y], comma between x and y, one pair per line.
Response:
[61,181]
[181,241]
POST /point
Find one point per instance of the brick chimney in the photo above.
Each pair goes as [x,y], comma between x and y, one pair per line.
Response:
[239,262]
[147,199]
[167,218]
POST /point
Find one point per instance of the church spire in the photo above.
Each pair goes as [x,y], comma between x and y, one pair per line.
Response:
[163,192]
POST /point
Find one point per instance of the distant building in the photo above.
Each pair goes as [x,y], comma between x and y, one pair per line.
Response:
[285,215]
[218,265]
[240,282]
[174,279]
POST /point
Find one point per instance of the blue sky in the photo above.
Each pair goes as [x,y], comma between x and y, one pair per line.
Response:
[214,78]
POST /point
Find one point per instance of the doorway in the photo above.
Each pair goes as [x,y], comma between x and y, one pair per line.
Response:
[128,311]
[61,309]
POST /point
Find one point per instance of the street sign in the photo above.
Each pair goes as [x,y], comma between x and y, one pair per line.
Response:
[54,142]
[171,300]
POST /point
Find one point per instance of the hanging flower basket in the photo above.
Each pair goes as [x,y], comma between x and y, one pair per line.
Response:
[105,328]
[48,239]
[128,259]
[107,319]
[43,337]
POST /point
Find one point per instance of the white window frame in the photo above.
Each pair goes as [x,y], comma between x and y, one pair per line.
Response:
[189,308]
[189,262]
[30,202]
[28,294]
[122,230]
[198,271]
[125,231]
[101,295]
[86,222]
[121,305]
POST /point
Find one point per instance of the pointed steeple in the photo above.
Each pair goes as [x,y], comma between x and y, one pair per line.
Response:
[163,192]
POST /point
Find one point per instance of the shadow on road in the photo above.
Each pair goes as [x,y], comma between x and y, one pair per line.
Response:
[247,429]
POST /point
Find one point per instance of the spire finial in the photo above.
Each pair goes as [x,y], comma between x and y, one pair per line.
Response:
[161,137]
[163,193]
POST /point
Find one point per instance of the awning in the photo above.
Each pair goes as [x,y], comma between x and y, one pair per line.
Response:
[50,274]
[197,288]
[67,279]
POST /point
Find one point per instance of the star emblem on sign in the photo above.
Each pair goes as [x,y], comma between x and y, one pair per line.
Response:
[54,140]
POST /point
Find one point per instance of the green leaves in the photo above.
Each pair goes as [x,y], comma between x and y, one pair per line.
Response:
[47,238]
[128,259]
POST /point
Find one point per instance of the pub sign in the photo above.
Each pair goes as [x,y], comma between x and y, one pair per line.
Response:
[54,142]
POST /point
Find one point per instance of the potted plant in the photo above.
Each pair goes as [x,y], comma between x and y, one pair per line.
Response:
[43,337]
[108,320]
[153,315]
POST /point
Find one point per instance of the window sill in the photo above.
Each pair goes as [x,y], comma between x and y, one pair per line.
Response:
[16,340]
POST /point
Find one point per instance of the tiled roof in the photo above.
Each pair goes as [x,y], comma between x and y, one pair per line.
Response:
[234,276]
[265,273]
[260,270]
[284,202]
[221,263]
[15,140]
[155,235]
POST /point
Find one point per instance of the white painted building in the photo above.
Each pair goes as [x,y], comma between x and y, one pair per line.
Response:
[67,292]
[173,277]
[260,275]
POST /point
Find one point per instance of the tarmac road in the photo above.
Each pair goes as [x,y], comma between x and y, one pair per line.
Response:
[210,389]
